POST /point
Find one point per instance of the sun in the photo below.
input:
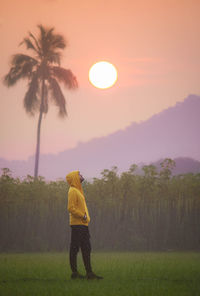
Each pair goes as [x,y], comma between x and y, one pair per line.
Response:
[103,75]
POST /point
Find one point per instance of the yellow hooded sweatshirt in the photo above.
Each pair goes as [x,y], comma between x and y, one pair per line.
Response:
[76,201]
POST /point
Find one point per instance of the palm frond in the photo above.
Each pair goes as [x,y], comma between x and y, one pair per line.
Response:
[44,39]
[22,58]
[49,33]
[29,45]
[65,76]
[54,57]
[22,68]
[48,47]
[36,42]
[49,41]
[31,102]
[57,96]
[58,41]
[42,31]
[55,40]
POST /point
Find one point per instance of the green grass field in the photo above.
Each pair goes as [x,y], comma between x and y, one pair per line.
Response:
[143,274]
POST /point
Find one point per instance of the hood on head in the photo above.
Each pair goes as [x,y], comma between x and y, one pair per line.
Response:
[73,180]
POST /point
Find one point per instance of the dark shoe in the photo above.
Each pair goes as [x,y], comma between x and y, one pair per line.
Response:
[77,275]
[93,276]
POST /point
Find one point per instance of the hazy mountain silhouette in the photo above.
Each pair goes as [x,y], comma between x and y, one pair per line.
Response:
[172,133]
[184,165]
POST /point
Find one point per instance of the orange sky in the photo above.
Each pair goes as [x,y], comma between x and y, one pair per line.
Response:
[155,45]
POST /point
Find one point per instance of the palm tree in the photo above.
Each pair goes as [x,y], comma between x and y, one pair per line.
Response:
[43,72]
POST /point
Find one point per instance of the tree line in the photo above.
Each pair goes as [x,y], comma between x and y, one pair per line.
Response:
[148,212]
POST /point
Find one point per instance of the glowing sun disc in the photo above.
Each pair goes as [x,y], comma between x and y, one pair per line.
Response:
[103,75]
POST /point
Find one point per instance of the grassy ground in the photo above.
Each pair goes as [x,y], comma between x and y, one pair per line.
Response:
[125,274]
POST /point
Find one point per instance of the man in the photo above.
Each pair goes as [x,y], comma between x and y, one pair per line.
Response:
[79,220]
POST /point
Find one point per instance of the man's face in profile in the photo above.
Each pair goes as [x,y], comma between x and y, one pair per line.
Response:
[81,178]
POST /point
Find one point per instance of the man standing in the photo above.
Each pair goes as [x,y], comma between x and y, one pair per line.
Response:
[79,220]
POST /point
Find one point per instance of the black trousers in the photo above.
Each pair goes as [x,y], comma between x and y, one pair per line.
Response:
[80,238]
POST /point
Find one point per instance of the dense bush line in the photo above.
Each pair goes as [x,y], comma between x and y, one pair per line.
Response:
[153,211]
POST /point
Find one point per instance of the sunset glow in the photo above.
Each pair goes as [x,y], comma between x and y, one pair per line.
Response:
[154,45]
[103,75]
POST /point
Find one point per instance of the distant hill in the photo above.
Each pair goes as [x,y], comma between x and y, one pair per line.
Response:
[172,133]
[184,165]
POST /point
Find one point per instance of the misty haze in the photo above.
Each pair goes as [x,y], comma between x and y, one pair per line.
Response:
[100,148]
[173,133]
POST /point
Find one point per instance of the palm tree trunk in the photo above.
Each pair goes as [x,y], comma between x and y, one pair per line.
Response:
[37,154]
